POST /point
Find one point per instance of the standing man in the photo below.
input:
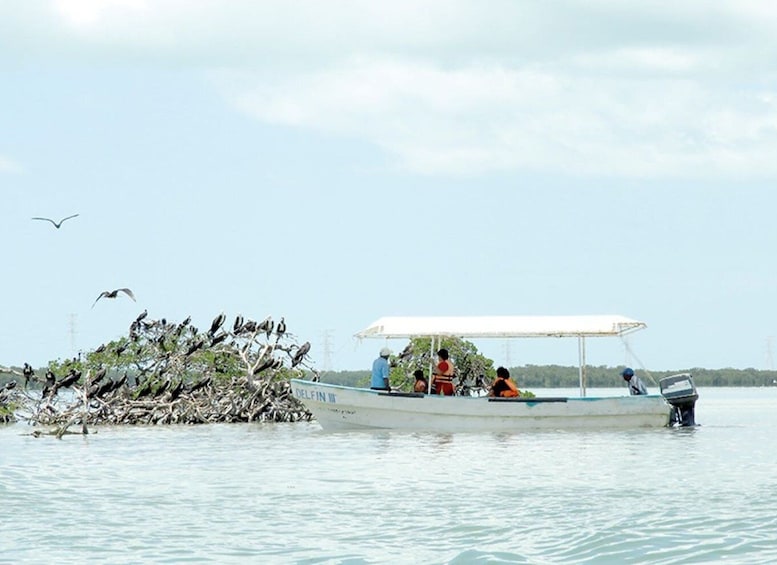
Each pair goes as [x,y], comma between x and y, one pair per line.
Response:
[634,383]
[380,371]
[443,373]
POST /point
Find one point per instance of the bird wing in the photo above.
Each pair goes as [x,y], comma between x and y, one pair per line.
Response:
[63,219]
[128,292]
[45,220]
[103,293]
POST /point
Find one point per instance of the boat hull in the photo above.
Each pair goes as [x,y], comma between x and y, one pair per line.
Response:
[337,407]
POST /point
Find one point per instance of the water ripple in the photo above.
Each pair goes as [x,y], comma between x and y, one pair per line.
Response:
[293,494]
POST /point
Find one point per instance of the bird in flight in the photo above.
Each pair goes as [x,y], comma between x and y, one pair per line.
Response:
[56,224]
[114,294]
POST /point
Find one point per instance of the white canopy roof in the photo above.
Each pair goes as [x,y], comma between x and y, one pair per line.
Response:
[501,326]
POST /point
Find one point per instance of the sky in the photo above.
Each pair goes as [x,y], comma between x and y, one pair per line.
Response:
[336,162]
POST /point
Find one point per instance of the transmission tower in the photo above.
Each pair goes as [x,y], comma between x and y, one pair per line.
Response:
[73,333]
[507,357]
[327,348]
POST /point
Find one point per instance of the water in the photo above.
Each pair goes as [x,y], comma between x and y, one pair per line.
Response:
[294,494]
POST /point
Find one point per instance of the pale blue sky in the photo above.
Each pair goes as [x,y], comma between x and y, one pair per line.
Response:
[335,162]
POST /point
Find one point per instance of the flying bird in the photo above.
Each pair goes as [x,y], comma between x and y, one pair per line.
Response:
[114,294]
[56,224]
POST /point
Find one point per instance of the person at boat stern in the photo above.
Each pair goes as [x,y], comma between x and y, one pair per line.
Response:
[633,381]
[504,386]
[380,371]
[442,380]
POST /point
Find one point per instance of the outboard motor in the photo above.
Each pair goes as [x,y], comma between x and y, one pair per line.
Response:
[680,392]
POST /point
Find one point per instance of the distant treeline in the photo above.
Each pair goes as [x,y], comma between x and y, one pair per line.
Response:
[558,376]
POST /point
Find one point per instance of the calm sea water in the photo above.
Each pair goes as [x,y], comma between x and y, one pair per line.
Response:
[294,494]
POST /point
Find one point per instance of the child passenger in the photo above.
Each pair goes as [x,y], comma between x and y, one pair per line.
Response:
[421,384]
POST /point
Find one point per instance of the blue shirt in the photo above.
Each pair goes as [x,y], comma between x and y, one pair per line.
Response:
[380,371]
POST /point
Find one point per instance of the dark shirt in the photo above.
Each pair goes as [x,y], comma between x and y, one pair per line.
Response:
[499,387]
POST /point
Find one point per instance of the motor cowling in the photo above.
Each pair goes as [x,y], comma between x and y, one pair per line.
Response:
[680,392]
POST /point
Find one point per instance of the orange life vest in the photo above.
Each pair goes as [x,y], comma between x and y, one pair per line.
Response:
[446,372]
[512,391]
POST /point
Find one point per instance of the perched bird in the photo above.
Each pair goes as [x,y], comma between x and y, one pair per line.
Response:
[56,224]
[28,374]
[194,347]
[121,382]
[182,326]
[98,390]
[144,389]
[49,387]
[70,379]
[114,294]
[217,323]
[266,365]
[176,390]
[218,338]
[162,388]
[300,354]
[266,326]
[280,329]
[100,375]
[202,383]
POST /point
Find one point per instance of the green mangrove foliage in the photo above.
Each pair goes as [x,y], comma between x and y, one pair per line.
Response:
[474,372]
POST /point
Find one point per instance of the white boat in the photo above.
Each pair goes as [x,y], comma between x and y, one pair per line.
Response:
[340,407]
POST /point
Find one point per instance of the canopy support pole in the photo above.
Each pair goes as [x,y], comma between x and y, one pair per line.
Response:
[431,367]
[581,358]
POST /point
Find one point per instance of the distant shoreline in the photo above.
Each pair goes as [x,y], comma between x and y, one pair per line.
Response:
[554,376]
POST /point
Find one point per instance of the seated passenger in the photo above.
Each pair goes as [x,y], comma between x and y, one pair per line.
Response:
[421,384]
[503,385]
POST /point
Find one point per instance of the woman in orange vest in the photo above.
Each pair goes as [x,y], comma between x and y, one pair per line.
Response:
[503,385]
[442,381]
